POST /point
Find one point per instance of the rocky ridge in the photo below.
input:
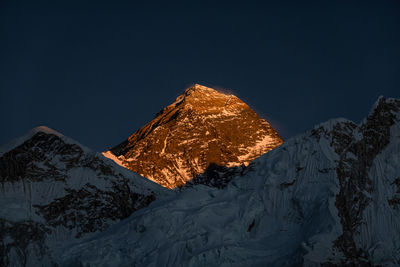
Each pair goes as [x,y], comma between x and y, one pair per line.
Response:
[328,197]
[54,189]
[202,127]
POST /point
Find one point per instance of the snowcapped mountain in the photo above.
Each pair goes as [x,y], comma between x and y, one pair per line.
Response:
[328,197]
[200,128]
[54,190]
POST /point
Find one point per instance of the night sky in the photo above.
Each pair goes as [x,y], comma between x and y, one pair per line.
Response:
[98,71]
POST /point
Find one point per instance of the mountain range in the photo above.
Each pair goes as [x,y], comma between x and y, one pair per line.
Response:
[213,196]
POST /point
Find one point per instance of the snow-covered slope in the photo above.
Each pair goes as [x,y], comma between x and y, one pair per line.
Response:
[52,189]
[202,127]
[330,196]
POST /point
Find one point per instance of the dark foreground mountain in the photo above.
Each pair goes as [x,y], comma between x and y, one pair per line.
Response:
[200,128]
[328,197]
[53,190]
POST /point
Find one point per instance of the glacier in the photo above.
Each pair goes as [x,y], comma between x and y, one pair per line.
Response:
[327,197]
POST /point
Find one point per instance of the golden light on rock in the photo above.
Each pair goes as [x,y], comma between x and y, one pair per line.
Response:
[202,126]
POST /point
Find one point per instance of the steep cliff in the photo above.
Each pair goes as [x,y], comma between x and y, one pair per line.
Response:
[52,189]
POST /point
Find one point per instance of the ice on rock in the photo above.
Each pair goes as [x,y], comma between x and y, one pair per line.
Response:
[329,196]
[285,211]
[54,190]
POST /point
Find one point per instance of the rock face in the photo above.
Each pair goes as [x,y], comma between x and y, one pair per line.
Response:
[52,189]
[358,148]
[327,197]
[200,128]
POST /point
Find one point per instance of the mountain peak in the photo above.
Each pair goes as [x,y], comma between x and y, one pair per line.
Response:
[199,87]
[202,127]
[205,100]
[382,104]
[18,141]
[44,129]
[207,91]
[46,133]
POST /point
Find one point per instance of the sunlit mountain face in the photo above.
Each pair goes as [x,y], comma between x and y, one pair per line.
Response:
[327,197]
[202,127]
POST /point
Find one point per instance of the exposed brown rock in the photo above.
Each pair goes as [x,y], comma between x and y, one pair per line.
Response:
[200,128]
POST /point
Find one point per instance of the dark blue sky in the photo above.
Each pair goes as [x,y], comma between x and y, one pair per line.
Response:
[98,71]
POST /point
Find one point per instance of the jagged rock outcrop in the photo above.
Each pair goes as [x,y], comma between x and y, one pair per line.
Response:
[54,189]
[202,127]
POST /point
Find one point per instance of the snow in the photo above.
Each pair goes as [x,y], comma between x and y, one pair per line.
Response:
[228,113]
[266,141]
[330,124]
[282,212]
[44,129]
[164,146]
[183,232]
[108,154]
[19,198]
